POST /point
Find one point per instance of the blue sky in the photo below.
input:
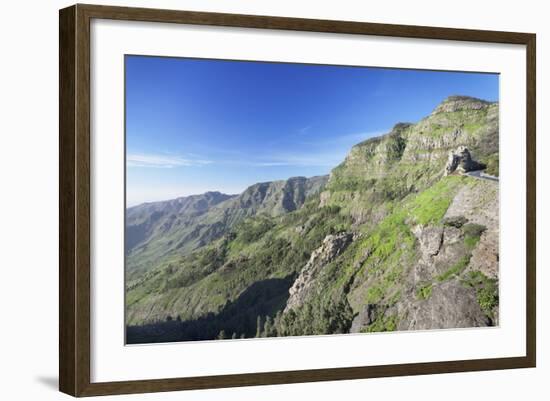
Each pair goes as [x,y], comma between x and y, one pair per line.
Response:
[211,125]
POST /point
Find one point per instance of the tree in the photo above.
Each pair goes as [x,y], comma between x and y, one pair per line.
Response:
[258,326]
[269,327]
[221,335]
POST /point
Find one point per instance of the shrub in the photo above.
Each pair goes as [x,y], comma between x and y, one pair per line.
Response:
[382,323]
[455,269]
[473,230]
[456,222]
[425,291]
[472,234]
[486,290]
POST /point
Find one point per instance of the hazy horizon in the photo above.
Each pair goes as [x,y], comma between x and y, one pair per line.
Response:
[128,205]
[194,126]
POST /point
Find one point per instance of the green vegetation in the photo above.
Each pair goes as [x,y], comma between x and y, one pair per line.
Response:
[252,229]
[473,230]
[455,269]
[430,206]
[486,290]
[472,234]
[488,298]
[391,234]
[456,222]
[424,291]
[225,272]
[471,242]
[492,163]
[382,323]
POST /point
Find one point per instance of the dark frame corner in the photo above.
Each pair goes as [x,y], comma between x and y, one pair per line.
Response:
[74,199]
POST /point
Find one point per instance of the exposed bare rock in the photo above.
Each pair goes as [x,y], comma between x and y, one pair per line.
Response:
[440,247]
[430,239]
[324,198]
[460,161]
[451,305]
[478,203]
[332,246]
[460,103]
[485,257]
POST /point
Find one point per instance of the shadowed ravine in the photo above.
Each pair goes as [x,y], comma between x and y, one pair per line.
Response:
[237,319]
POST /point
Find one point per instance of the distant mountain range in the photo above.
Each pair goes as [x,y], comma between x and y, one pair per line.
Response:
[396,238]
[157,229]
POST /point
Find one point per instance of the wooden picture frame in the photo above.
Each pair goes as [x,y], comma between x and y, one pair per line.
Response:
[74,199]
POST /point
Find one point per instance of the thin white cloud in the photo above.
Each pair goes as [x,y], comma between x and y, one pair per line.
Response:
[301,160]
[267,164]
[322,152]
[288,160]
[306,159]
[162,161]
[327,152]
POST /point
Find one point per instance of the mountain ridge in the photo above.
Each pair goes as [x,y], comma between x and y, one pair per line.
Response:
[387,235]
[192,221]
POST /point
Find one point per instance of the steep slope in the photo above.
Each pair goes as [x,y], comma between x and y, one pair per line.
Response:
[157,218]
[173,228]
[412,156]
[395,240]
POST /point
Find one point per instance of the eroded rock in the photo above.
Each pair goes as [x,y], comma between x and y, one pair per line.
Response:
[430,239]
[460,161]
[364,318]
[332,246]
[450,305]
[459,103]
[440,247]
[485,257]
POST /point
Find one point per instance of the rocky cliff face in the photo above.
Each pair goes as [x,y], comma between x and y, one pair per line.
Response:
[413,156]
[400,237]
[428,257]
[332,246]
[272,198]
[460,103]
[460,161]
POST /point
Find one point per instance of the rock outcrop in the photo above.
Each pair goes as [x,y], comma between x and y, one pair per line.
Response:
[430,240]
[460,161]
[479,204]
[450,305]
[364,318]
[460,103]
[332,246]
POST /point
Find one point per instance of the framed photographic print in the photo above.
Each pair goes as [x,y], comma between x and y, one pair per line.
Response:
[250,200]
